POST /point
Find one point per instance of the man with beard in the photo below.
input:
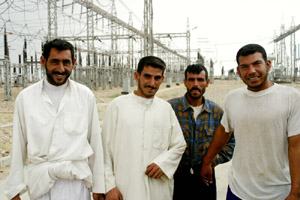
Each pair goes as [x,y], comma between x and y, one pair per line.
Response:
[142,139]
[265,119]
[57,135]
[198,118]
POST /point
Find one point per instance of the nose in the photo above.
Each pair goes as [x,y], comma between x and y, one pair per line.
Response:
[251,69]
[195,83]
[152,81]
[60,67]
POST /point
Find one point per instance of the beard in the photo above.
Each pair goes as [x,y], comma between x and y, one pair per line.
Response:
[52,80]
[147,95]
[264,79]
[190,93]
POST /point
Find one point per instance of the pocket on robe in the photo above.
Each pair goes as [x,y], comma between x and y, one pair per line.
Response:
[75,123]
[160,138]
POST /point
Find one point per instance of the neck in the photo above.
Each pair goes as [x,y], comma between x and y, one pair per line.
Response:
[137,93]
[264,86]
[194,102]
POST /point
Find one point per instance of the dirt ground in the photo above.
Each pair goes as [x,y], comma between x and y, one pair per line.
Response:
[215,92]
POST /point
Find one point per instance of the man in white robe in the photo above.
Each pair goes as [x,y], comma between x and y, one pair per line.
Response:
[142,140]
[56,135]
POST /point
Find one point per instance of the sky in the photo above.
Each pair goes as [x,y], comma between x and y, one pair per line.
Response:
[218,27]
[224,26]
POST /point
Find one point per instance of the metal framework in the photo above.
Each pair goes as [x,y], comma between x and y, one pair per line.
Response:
[188,42]
[288,68]
[148,27]
[90,35]
[114,35]
[52,19]
[121,23]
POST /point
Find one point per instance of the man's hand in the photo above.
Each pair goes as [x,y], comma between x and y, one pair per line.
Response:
[114,194]
[154,171]
[98,196]
[206,173]
[17,197]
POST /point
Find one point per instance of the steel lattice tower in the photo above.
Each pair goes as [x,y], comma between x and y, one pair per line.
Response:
[148,27]
[114,35]
[130,45]
[52,19]
[90,34]
[188,43]
[293,52]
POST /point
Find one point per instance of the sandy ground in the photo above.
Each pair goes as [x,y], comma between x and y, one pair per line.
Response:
[215,92]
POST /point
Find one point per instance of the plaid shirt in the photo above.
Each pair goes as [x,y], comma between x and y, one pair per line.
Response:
[198,134]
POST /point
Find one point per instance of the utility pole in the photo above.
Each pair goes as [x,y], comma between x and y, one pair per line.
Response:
[24,75]
[52,19]
[6,51]
[114,35]
[130,45]
[148,27]
[7,73]
[188,43]
[90,34]
[293,53]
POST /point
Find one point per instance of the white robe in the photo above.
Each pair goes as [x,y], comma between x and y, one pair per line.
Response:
[63,144]
[135,135]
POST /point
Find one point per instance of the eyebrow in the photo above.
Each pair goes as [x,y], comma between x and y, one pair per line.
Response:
[257,61]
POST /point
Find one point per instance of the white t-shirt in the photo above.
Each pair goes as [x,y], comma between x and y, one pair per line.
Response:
[55,93]
[197,110]
[262,122]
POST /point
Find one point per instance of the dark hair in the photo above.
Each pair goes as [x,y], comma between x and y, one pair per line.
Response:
[58,44]
[251,49]
[151,61]
[195,69]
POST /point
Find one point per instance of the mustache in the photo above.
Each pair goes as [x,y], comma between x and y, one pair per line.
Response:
[151,87]
[195,88]
[60,73]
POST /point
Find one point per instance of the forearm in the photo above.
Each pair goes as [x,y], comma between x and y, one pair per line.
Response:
[219,140]
[294,161]
[226,153]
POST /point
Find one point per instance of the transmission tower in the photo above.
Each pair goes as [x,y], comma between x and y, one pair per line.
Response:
[114,34]
[293,52]
[130,44]
[52,19]
[148,27]
[188,42]
[90,34]
[281,56]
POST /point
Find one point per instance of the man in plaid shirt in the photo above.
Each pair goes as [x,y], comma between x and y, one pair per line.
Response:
[198,118]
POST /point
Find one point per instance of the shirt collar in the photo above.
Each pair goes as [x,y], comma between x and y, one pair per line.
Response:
[41,84]
[142,100]
[207,106]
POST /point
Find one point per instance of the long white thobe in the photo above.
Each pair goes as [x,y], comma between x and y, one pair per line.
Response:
[134,136]
[63,144]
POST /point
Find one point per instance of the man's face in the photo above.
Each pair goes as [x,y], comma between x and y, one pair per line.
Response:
[148,81]
[253,70]
[58,66]
[196,84]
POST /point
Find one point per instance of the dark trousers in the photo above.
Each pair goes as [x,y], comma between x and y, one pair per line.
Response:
[189,186]
[230,195]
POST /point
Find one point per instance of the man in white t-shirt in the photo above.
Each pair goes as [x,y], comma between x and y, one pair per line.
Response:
[265,119]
